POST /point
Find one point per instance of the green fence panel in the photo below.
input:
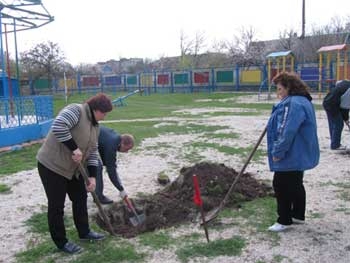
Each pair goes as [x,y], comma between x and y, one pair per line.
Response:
[181,78]
[131,80]
[42,84]
[224,76]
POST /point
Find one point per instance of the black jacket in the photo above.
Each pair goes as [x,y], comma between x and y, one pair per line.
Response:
[108,145]
[331,103]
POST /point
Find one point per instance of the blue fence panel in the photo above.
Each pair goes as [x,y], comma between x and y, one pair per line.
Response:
[24,119]
[113,80]
[309,74]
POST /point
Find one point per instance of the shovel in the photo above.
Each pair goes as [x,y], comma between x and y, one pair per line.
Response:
[137,219]
[215,212]
[97,202]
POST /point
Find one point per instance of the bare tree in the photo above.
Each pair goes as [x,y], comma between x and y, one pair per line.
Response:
[85,68]
[337,24]
[45,59]
[243,50]
[218,55]
[234,51]
[186,47]
[199,44]
[287,39]
[347,24]
[219,46]
[191,49]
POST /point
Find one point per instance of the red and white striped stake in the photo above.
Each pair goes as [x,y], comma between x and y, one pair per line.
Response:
[198,201]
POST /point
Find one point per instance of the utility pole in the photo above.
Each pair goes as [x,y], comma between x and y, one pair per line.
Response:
[303,21]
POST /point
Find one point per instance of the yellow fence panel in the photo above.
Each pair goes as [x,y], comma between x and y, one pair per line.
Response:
[250,76]
[147,81]
[71,83]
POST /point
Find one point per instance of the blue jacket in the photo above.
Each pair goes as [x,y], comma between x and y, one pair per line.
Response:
[292,135]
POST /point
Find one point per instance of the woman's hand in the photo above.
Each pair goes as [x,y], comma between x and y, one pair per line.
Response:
[77,155]
[92,184]
[275,159]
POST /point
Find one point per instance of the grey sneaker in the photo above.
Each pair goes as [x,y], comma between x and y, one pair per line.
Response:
[71,248]
[340,148]
[277,227]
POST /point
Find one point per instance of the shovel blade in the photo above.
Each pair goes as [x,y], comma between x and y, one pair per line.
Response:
[211,215]
[137,219]
[133,221]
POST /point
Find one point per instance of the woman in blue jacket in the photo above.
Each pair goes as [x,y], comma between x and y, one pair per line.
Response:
[292,147]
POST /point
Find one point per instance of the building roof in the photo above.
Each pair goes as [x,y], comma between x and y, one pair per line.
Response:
[332,48]
[279,54]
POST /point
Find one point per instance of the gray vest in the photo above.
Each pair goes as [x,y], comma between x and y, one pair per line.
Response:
[57,157]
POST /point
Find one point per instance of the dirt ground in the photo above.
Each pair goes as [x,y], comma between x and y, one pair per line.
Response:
[324,237]
[174,204]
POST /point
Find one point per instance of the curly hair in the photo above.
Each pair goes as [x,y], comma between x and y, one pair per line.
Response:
[292,82]
[100,102]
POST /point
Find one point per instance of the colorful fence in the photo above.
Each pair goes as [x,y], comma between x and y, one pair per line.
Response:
[196,80]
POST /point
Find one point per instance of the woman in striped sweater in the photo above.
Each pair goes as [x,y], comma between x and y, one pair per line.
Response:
[72,140]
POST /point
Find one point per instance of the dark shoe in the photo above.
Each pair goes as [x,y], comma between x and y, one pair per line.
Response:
[92,236]
[298,221]
[105,200]
[340,148]
[71,248]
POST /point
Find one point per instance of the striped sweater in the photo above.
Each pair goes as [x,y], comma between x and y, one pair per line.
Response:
[62,125]
[74,127]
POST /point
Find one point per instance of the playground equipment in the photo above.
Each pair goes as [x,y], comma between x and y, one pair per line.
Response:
[18,16]
[21,118]
[120,101]
[276,63]
[328,73]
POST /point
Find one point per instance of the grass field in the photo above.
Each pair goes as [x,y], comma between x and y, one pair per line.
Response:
[141,118]
[146,109]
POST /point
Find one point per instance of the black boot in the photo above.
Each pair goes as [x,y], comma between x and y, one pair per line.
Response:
[92,236]
[105,200]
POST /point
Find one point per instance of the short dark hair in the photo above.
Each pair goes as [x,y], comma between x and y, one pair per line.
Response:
[342,83]
[127,140]
[292,82]
[100,102]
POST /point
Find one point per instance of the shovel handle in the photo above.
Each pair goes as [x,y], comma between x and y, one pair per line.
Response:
[97,201]
[128,203]
[214,213]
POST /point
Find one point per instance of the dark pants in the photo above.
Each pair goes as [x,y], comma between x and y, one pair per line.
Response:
[56,187]
[335,125]
[99,181]
[290,195]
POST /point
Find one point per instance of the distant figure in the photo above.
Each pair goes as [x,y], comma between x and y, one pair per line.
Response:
[292,148]
[109,143]
[337,112]
[71,141]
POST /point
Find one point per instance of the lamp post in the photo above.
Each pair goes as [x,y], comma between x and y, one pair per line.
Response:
[303,21]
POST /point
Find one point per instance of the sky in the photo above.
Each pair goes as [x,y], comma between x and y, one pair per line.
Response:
[95,31]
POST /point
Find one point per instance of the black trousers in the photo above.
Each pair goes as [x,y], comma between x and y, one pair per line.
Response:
[99,180]
[291,196]
[56,187]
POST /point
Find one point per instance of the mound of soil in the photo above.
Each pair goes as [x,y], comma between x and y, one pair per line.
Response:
[174,204]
